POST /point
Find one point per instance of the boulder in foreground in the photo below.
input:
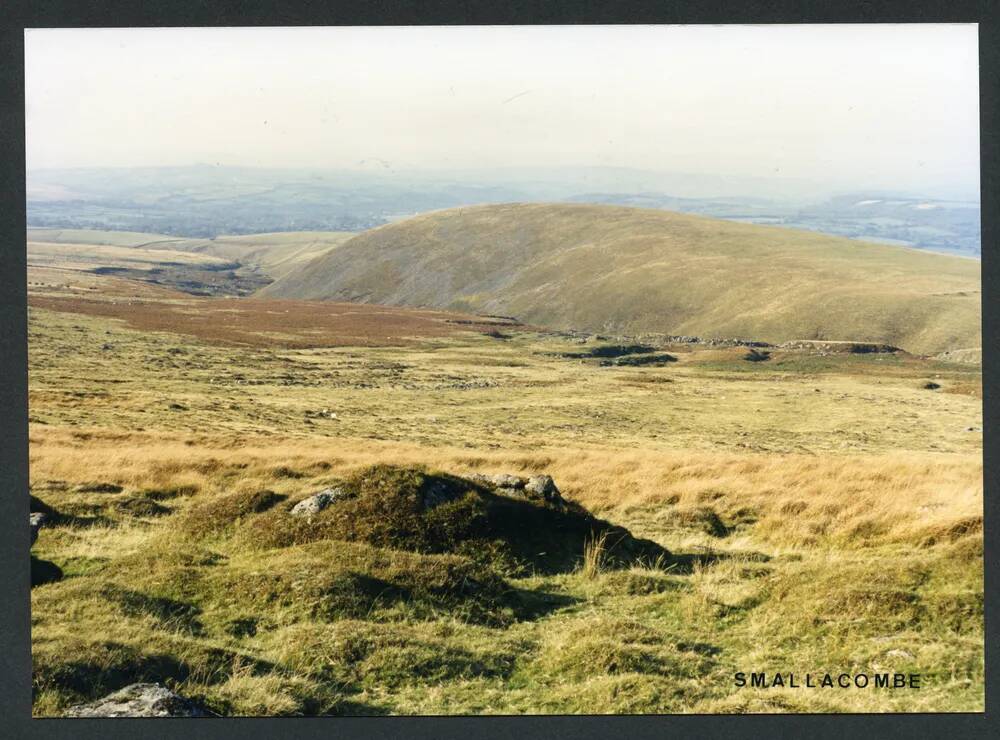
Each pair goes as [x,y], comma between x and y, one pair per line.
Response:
[317,502]
[140,700]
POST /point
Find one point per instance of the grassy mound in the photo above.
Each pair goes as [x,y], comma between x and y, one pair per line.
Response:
[221,512]
[412,509]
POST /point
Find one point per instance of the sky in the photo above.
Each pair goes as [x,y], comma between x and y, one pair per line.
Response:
[849,106]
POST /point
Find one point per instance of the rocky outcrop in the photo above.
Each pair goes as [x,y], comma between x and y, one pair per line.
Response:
[313,505]
[543,487]
[537,487]
[140,700]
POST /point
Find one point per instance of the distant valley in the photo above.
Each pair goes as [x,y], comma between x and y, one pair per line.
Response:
[208,201]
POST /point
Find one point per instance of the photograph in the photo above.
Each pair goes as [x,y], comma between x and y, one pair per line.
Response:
[504,370]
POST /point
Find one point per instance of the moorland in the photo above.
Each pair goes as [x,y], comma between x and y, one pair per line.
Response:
[793,501]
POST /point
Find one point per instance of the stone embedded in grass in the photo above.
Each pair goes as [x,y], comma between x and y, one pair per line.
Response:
[540,487]
[501,480]
[140,700]
[317,502]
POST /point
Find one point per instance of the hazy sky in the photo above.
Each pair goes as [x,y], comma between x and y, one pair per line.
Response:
[892,106]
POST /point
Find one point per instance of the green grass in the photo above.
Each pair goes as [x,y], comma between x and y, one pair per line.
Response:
[611,269]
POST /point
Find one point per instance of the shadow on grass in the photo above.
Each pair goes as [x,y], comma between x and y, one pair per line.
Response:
[42,571]
[685,563]
[109,666]
[169,613]
[351,708]
[538,604]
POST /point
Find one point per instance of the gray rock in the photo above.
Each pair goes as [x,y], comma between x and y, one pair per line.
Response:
[537,487]
[500,480]
[505,480]
[542,486]
[36,520]
[317,502]
[899,654]
[140,700]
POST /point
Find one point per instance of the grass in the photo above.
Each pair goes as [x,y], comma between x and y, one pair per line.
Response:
[610,269]
[594,555]
[821,513]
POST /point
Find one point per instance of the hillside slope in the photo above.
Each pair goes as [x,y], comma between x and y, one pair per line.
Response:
[273,255]
[632,270]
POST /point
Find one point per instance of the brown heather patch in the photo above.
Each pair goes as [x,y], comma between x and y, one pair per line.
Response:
[277,323]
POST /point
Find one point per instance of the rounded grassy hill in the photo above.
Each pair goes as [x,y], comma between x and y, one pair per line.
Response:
[632,270]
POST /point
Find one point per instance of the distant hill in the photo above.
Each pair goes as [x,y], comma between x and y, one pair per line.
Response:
[205,201]
[631,270]
[948,226]
[96,236]
[271,255]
